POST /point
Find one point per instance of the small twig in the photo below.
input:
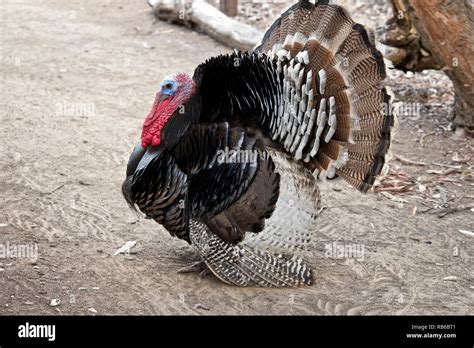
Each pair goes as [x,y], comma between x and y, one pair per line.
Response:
[450,180]
[393,198]
[424,136]
[443,212]
[391,189]
[466,232]
[426,210]
[51,192]
[409,161]
[445,172]
[201,306]
[321,209]
[446,165]
[345,206]
[363,266]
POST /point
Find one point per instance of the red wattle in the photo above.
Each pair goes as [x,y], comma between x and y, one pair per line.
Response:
[155,121]
[157,110]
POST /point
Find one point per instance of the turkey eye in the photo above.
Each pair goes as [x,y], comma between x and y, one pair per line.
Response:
[168,86]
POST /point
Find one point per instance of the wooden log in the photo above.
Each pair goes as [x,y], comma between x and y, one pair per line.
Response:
[208,19]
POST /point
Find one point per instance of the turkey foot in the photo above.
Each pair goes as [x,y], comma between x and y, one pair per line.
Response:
[196,267]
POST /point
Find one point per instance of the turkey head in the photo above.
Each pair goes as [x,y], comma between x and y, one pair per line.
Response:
[173,111]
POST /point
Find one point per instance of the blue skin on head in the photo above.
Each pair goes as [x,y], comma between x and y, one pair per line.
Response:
[169,87]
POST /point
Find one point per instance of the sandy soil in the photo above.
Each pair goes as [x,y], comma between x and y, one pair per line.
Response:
[77,79]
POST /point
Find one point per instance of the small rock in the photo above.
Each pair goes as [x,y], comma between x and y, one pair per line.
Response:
[2,269]
[93,310]
[28,303]
[132,220]
[421,188]
[439,264]
[455,251]
[3,225]
[36,267]
[95,288]
[55,302]
[451,278]
[146,45]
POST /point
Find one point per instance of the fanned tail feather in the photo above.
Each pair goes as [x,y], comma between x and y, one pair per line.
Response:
[330,63]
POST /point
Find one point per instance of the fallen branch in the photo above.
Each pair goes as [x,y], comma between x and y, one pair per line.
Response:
[205,17]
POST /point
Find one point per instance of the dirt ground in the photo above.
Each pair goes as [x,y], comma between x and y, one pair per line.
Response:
[78,77]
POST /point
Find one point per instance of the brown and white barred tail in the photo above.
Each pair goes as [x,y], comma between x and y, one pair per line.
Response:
[241,265]
[336,115]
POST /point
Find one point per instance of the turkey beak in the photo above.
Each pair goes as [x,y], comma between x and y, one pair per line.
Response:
[163,97]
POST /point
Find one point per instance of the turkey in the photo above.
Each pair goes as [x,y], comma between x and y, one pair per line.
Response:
[229,159]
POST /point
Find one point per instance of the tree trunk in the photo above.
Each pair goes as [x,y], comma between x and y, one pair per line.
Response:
[436,34]
[229,7]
